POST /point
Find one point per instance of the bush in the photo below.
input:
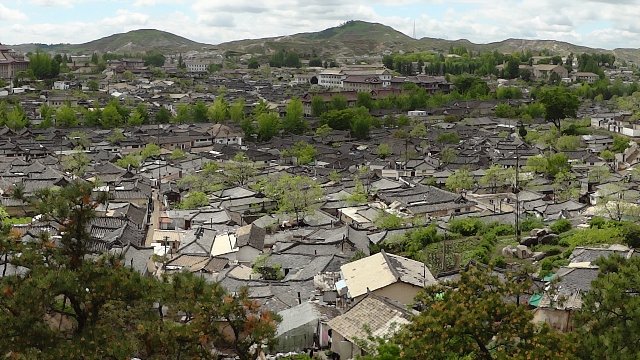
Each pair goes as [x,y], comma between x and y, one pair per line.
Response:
[560,226]
[597,222]
[531,222]
[500,229]
[466,227]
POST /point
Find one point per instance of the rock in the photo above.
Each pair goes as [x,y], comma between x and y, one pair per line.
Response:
[549,239]
[508,251]
[528,241]
[523,252]
[538,255]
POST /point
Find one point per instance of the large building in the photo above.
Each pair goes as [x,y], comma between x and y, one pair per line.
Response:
[11,63]
[360,77]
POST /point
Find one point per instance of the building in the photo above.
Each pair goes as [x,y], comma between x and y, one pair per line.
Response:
[392,276]
[544,72]
[362,83]
[587,77]
[195,66]
[11,63]
[381,315]
[334,78]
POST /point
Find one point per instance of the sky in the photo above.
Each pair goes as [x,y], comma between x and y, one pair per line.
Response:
[596,23]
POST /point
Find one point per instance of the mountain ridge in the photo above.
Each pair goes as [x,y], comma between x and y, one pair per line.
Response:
[352,38]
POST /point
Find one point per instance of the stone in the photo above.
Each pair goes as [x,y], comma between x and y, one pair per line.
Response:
[523,252]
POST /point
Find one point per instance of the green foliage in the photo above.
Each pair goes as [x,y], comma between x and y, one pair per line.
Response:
[150,151]
[620,143]
[294,122]
[531,222]
[177,154]
[559,104]
[496,176]
[236,111]
[76,163]
[163,116]
[295,194]
[219,110]
[66,116]
[550,164]
[285,58]
[304,152]
[268,126]
[560,226]
[505,110]
[388,221]
[607,324]
[194,200]
[130,160]
[568,143]
[111,117]
[479,319]
[448,138]
[116,136]
[383,150]
[318,106]
[42,66]
[459,181]
[466,226]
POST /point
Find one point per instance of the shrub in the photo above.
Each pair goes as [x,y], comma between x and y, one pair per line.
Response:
[560,226]
[531,222]
[466,227]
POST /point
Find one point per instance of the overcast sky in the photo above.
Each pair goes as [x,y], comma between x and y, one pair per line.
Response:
[596,23]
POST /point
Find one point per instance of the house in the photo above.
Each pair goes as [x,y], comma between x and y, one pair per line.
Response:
[544,71]
[304,327]
[587,77]
[361,83]
[381,315]
[11,63]
[556,307]
[250,242]
[388,275]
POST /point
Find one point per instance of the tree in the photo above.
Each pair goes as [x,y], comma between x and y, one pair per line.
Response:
[364,100]
[66,116]
[93,85]
[194,200]
[478,317]
[130,160]
[598,174]
[268,126]
[219,110]
[111,117]
[338,102]
[607,324]
[568,143]
[304,153]
[116,136]
[177,154]
[199,112]
[70,300]
[459,181]
[293,121]
[384,150]
[16,118]
[620,143]
[361,125]
[42,66]
[323,131]
[183,114]
[253,63]
[239,170]
[135,119]
[76,163]
[419,131]
[496,176]
[295,194]
[150,151]
[318,106]
[559,103]
[448,155]
[163,115]
[607,155]
[236,111]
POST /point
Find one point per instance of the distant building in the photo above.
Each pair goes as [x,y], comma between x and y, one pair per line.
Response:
[11,63]
[543,72]
[358,77]
[195,66]
[587,77]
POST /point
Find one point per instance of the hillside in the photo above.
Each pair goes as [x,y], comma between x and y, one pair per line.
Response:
[353,38]
[136,41]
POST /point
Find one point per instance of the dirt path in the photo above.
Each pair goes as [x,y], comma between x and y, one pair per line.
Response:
[155,218]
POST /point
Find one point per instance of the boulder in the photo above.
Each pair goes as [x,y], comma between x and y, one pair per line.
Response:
[523,252]
[508,251]
[529,240]
[538,255]
[549,239]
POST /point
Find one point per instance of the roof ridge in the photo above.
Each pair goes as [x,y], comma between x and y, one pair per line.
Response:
[393,270]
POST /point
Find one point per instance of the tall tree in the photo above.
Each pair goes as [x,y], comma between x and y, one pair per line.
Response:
[219,110]
[608,324]
[295,194]
[293,121]
[476,317]
[559,104]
